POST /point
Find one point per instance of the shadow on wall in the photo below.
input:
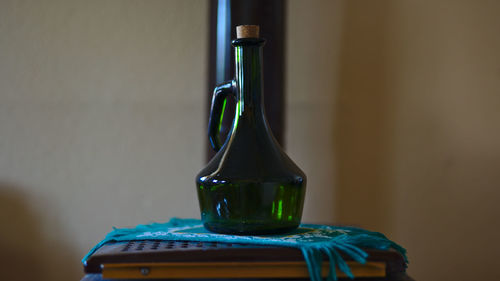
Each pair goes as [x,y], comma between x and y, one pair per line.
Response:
[26,253]
[362,117]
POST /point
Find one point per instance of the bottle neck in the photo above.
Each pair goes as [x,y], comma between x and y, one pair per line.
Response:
[249,81]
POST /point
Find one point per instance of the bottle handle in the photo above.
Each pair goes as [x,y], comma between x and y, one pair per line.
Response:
[219,99]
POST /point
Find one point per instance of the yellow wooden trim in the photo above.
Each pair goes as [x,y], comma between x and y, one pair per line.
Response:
[291,269]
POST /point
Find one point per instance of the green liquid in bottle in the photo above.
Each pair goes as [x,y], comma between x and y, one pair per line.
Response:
[251,208]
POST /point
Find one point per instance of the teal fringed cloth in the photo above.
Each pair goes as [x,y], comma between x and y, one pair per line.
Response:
[313,240]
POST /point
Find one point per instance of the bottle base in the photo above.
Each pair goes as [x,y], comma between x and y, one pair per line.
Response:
[249,229]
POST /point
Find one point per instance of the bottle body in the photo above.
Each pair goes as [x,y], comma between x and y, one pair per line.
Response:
[250,186]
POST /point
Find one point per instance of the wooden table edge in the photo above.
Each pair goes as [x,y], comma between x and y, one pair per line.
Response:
[282,269]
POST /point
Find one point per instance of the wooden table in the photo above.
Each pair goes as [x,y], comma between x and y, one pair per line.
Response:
[168,260]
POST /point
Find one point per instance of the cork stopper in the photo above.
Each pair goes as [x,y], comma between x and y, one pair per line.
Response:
[247,31]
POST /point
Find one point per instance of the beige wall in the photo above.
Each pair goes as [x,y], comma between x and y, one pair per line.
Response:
[417,135]
[392,111]
[312,57]
[101,123]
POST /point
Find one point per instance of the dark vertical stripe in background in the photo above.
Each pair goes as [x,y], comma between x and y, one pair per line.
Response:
[225,15]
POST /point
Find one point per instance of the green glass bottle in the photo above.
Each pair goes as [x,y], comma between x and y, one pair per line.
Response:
[250,186]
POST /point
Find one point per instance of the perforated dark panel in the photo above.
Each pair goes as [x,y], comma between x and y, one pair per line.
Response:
[141,246]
